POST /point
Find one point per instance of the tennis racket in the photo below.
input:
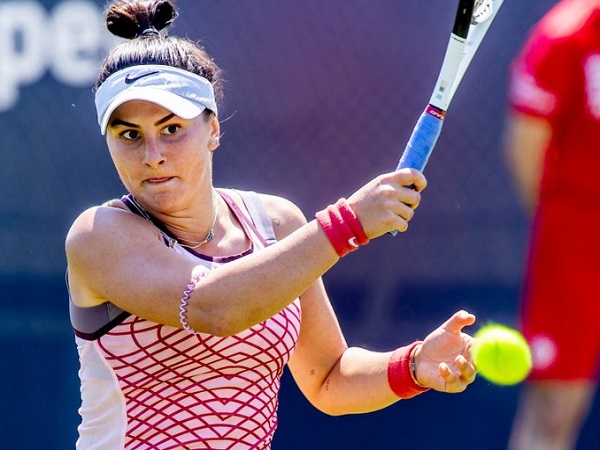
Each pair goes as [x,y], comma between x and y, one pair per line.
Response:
[473,19]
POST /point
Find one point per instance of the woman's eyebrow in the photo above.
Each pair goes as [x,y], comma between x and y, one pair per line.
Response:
[117,122]
[164,119]
[124,123]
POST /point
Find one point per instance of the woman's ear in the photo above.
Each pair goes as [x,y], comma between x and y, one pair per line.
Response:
[215,134]
[214,143]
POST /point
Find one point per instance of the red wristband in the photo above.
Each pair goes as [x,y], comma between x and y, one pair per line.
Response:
[352,221]
[400,373]
[342,227]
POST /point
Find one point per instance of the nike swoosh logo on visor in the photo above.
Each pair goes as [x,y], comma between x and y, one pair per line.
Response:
[129,79]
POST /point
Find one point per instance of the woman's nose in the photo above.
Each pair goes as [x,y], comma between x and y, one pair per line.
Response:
[153,155]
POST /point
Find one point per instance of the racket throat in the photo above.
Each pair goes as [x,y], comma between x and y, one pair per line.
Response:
[436,112]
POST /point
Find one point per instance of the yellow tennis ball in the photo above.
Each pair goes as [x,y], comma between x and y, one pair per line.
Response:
[501,354]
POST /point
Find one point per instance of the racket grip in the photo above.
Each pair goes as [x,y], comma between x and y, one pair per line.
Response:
[422,140]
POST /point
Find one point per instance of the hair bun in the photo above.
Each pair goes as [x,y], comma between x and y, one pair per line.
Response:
[134,18]
[165,14]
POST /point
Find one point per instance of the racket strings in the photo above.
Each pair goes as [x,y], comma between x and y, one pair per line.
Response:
[482,11]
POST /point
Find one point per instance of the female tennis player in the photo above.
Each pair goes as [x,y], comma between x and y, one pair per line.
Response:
[188,301]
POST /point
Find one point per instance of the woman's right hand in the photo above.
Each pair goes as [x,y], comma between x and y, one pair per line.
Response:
[388,201]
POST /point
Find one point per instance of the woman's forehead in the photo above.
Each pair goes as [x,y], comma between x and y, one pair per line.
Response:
[139,108]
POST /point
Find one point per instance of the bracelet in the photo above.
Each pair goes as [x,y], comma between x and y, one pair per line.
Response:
[413,366]
[184,302]
[402,372]
[342,227]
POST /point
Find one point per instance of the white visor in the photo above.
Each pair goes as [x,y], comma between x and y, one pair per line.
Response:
[183,93]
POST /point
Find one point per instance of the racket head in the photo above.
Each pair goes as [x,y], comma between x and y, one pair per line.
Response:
[443,91]
[484,13]
[463,18]
[483,10]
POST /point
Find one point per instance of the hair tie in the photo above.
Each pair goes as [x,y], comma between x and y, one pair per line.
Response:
[150,32]
[185,300]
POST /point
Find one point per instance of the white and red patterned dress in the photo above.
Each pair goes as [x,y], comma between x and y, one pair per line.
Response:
[149,386]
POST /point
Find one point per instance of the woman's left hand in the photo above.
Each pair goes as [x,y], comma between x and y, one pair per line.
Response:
[443,362]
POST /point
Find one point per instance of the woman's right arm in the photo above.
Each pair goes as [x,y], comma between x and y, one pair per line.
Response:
[118,257]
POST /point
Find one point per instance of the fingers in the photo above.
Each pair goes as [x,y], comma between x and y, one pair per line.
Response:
[388,201]
[404,212]
[457,381]
[467,369]
[409,183]
[401,215]
[408,200]
[465,373]
[411,178]
[458,321]
[405,184]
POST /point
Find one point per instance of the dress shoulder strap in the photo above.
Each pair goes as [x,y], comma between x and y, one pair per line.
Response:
[259,215]
[259,218]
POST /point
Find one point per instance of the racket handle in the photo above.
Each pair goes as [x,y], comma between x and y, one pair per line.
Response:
[423,139]
[421,142]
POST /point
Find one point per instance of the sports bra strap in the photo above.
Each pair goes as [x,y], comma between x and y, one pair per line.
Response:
[258,214]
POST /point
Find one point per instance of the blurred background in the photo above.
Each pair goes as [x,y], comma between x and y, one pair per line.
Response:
[320,97]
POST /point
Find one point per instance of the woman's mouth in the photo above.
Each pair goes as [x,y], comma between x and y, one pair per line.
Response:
[158,180]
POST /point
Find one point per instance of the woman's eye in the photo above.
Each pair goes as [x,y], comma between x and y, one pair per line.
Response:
[171,129]
[130,135]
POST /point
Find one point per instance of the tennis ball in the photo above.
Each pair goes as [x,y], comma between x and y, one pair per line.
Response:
[501,354]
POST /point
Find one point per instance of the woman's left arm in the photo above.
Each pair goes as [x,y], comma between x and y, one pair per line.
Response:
[321,343]
[338,379]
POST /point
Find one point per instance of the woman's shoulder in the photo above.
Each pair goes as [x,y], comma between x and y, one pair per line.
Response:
[99,225]
[95,217]
[285,215]
[280,204]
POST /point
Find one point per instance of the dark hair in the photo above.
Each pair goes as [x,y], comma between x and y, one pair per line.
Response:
[142,22]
